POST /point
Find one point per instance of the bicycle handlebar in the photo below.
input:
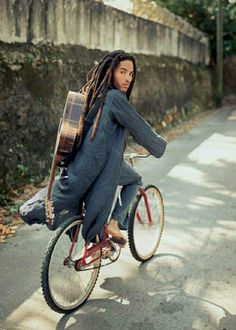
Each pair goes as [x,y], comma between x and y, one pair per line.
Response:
[134,155]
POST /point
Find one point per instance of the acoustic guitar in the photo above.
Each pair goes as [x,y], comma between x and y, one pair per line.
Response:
[65,141]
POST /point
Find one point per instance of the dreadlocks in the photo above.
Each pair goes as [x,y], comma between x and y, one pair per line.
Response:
[99,80]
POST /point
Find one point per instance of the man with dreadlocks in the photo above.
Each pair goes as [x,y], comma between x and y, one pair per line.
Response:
[98,166]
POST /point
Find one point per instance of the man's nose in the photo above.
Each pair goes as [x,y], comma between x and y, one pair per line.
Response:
[128,78]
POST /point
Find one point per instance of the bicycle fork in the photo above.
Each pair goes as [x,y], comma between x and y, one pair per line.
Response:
[140,220]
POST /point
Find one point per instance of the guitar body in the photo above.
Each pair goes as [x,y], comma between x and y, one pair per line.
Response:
[69,124]
[66,137]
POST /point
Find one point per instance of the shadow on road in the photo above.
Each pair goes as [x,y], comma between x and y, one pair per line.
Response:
[149,300]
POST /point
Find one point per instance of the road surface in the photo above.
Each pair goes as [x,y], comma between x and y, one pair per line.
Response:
[189,284]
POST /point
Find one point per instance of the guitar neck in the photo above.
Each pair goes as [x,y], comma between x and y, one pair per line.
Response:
[51,178]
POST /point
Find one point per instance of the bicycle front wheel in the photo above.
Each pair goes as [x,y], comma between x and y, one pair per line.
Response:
[64,288]
[146,223]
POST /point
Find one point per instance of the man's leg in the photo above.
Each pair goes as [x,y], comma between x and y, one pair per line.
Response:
[131,181]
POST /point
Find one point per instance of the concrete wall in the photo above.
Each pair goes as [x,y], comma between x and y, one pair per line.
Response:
[161,15]
[96,26]
[34,82]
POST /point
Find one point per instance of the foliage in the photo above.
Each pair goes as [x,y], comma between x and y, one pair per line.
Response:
[9,221]
[202,15]
[22,169]
[9,217]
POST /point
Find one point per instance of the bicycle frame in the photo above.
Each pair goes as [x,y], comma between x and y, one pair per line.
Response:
[88,251]
[144,195]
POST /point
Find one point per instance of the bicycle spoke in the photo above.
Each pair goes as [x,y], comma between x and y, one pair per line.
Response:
[65,288]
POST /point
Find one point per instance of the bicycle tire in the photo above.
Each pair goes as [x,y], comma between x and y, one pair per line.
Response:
[64,291]
[141,234]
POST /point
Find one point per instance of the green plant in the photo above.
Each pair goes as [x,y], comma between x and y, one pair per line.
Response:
[22,169]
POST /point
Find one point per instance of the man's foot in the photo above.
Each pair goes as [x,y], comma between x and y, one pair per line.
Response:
[113,230]
[119,240]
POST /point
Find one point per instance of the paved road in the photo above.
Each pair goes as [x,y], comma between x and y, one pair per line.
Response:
[189,284]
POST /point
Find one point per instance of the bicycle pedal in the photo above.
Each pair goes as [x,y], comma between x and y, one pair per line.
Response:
[108,252]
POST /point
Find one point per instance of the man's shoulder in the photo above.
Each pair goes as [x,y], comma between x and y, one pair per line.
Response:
[116,94]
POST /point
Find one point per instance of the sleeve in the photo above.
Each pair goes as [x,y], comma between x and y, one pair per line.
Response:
[139,129]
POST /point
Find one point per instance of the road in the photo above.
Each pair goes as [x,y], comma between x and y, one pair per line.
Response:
[189,284]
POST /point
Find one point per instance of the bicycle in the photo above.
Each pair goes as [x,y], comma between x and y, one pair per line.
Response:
[70,267]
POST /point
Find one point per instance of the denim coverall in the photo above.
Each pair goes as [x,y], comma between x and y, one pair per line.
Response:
[97,169]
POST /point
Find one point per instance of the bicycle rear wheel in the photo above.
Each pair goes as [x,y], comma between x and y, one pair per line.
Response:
[144,236]
[64,288]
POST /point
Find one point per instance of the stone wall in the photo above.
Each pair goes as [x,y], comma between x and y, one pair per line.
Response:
[96,26]
[34,82]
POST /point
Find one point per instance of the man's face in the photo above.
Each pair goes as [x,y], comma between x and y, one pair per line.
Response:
[123,75]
